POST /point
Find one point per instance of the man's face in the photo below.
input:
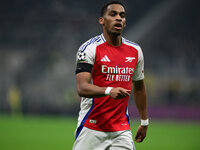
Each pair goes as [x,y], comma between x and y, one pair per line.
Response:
[114,19]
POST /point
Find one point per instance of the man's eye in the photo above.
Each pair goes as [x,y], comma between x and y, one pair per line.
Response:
[123,15]
[112,14]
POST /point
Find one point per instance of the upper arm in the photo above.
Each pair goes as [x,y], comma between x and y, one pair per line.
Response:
[82,79]
[85,58]
[138,85]
[83,75]
[139,69]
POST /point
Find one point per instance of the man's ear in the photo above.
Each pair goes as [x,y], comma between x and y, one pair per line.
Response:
[101,20]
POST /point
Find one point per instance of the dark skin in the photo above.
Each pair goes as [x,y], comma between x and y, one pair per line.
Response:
[113,23]
[141,103]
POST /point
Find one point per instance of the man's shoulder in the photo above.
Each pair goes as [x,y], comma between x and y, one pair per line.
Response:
[131,43]
[93,42]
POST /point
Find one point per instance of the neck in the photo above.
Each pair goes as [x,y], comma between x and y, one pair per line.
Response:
[113,39]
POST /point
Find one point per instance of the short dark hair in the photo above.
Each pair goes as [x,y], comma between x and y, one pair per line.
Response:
[104,8]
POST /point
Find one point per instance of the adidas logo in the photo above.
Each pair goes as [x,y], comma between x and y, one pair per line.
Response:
[105,59]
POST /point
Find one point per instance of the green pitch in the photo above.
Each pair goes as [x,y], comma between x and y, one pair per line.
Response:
[57,133]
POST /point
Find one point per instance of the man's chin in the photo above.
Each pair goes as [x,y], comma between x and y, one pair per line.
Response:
[116,33]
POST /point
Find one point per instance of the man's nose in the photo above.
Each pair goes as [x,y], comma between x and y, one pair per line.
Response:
[118,18]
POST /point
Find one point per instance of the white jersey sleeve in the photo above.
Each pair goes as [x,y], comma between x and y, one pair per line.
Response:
[86,52]
[139,70]
[86,56]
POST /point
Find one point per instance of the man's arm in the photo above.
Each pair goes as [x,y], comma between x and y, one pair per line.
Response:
[141,104]
[86,89]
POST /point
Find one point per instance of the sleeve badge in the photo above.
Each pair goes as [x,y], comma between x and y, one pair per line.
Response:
[81,57]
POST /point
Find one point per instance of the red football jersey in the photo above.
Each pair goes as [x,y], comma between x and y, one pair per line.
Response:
[113,66]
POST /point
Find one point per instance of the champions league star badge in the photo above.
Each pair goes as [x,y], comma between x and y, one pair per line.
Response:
[81,56]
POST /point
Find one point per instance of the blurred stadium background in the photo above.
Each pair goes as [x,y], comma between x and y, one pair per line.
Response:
[38,43]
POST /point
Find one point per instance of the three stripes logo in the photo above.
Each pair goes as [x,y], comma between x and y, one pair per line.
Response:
[105,59]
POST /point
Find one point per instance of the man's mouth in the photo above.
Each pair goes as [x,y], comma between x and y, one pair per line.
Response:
[118,26]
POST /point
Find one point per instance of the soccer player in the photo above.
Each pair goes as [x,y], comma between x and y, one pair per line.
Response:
[108,67]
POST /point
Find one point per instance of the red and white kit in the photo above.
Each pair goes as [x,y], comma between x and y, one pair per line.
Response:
[113,66]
